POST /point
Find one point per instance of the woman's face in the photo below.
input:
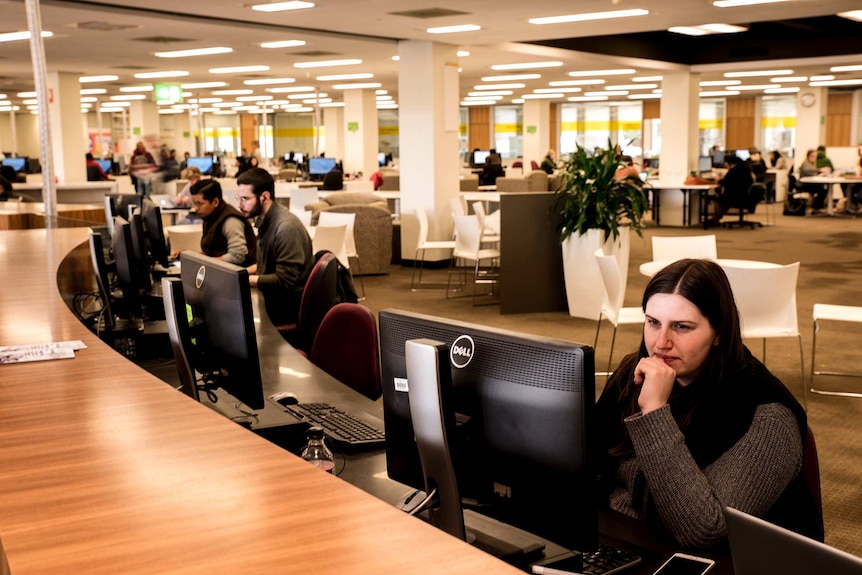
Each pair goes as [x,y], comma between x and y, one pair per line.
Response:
[677,332]
[812,157]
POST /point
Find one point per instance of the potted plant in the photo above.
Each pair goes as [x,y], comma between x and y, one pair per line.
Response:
[595,210]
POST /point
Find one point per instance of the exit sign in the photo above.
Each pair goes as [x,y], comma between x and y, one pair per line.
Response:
[168,93]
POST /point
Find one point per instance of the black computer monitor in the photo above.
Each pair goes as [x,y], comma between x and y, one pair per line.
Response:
[320,166]
[128,269]
[479,157]
[156,241]
[524,446]
[204,164]
[704,164]
[225,346]
[18,164]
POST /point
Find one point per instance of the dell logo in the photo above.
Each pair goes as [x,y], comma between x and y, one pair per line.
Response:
[199,278]
[461,351]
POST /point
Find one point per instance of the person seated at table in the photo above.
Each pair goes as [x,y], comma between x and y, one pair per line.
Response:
[692,422]
[490,173]
[627,169]
[193,175]
[549,163]
[756,164]
[5,190]
[734,188]
[227,234]
[779,162]
[95,173]
[809,168]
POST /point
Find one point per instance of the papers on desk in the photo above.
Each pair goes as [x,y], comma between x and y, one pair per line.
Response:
[39,351]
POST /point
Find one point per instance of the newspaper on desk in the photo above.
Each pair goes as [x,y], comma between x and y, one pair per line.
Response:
[39,351]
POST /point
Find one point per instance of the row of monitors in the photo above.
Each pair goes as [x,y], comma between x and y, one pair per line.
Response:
[23,164]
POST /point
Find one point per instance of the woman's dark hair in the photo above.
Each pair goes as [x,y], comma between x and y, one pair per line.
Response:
[704,284]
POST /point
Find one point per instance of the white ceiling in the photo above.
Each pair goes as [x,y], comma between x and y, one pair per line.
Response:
[348,28]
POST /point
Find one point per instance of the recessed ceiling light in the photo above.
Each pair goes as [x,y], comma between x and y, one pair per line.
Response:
[89,99]
[333,105]
[128,97]
[632,87]
[548,96]
[91,91]
[592,82]
[387,97]
[853,68]
[710,93]
[851,82]
[491,93]
[511,86]
[755,87]
[478,102]
[788,90]
[721,82]
[328,63]
[608,93]
[202,85]
[852,15]
[282,6]
[105,78]
[566,90]
[511,77]
[232,92]
[486,97]
[587,98]
[26,94]
[721,28]
[454,29]
[283,44]
[589,16]
[163,74]
[269,81]
[239,69]
[647,79]
[396,58]
[289,89]
[194,52]
[143,88]
[116,104]
[13,36]
[357,86]
[381,92]
[756,73]
[527,66]
[821,78]
[688,30]
[339,77]
[462,53]
[734,3]
[786,79]
[611,72]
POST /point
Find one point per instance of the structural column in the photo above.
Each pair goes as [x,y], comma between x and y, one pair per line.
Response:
[428,137]
[537,121]
[360,132]
[680,104]
[333,130]
[810,120]
[64,109]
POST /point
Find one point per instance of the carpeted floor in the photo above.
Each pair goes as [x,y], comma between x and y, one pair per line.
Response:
[829,250]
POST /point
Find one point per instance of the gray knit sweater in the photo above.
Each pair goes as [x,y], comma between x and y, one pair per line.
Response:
[750,476]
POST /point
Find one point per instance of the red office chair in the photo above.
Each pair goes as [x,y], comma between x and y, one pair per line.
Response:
[318,296]
[534,165]
[346,348]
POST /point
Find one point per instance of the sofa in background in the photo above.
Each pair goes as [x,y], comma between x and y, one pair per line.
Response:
[372,229]
[535,181]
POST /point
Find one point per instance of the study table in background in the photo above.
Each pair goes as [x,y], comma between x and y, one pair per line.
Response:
[107,469]
[687,190]
[829,183]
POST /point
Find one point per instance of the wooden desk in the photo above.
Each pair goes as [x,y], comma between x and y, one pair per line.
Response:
[74,193]
[829,183]
[29,215]
[687,190]
[105,469]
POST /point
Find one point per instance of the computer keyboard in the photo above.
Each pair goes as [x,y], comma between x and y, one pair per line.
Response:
[341,427]
[607,559]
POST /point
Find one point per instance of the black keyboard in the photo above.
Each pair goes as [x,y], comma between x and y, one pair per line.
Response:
[340,426]
[607,559]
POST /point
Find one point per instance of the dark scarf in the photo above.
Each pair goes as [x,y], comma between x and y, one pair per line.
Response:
[721,412]
[214,242]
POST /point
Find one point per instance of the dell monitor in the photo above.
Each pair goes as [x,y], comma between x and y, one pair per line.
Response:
[479,157]
[222,325]
[320,166]
[155,232]
[204,164]
[18,164]
[523,446]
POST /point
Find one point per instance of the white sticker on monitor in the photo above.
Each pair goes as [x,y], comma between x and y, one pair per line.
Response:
[400,384]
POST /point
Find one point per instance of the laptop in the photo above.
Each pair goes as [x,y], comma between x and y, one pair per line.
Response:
[757,547]
[163,200]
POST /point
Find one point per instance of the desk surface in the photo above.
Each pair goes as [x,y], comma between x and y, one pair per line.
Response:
[105,469]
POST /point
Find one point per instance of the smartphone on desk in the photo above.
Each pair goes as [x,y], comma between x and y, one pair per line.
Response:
[684,564]
[567,564]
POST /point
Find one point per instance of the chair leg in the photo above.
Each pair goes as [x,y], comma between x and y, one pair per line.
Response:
[359,274]
[611,352]
[802,369]
[598,327]
[416,263]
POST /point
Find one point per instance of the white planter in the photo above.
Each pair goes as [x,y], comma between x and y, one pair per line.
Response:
[584,287]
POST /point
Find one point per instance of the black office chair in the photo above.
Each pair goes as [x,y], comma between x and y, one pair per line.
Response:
[756,194]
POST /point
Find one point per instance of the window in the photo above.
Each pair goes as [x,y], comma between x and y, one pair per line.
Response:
[778,124]
[508,127]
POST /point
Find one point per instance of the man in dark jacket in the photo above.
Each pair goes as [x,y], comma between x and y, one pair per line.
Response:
[284,252]
[227,233]
[734,188]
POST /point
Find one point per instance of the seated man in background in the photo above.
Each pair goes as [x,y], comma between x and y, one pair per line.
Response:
[95,173]
[734,188]
[285,255]
[227,234]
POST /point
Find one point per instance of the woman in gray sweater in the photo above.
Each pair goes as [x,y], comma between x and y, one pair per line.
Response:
[693,423]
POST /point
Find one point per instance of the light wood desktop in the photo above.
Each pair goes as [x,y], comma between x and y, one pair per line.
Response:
[28,215]
[106,469]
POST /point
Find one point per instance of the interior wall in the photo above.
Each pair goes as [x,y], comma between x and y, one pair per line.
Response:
[839,111]
[27,134]
[741,115]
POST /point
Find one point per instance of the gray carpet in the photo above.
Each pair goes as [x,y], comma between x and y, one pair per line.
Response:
[828,250]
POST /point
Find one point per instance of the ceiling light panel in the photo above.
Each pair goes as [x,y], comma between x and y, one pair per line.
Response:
[454,29]
[290,89]
[15,36]
[283,44]
[591,82]
[202,85]
[852,15]
[528,65]
[611,72]
[239,69]
[510,86]
[328,63]
[269,81]
[91,79]
[163,74]
[342,77]
[195,52]
[511,77]
[282,6]
[357,86]
[853,68]
[587,16]
[757,73]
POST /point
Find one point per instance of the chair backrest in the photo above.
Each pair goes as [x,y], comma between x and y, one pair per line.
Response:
[756,194]
[179,333]
[318,296]
[303,215]
[331,239]
[348,219]
[672,248]
[479,210]
[468,236]
[766,299]
[422,218]
[346,348]
[301,197]
[615,285]
[458,206]
[534,164]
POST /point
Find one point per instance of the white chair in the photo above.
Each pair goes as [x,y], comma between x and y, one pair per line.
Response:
[331,238]
[672,248]
[185,237]
[488,235]
[468,241]
[301,197]
[612,305]
[421,246]
[458,206]
[327,218]
[766,300]
[828,312]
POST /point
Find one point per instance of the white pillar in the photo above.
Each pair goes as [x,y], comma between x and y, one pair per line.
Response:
[64,109]
[679,128]
[333,130]
[360,132]
[536,120]
[428,136]
[810,121]
[143,120]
